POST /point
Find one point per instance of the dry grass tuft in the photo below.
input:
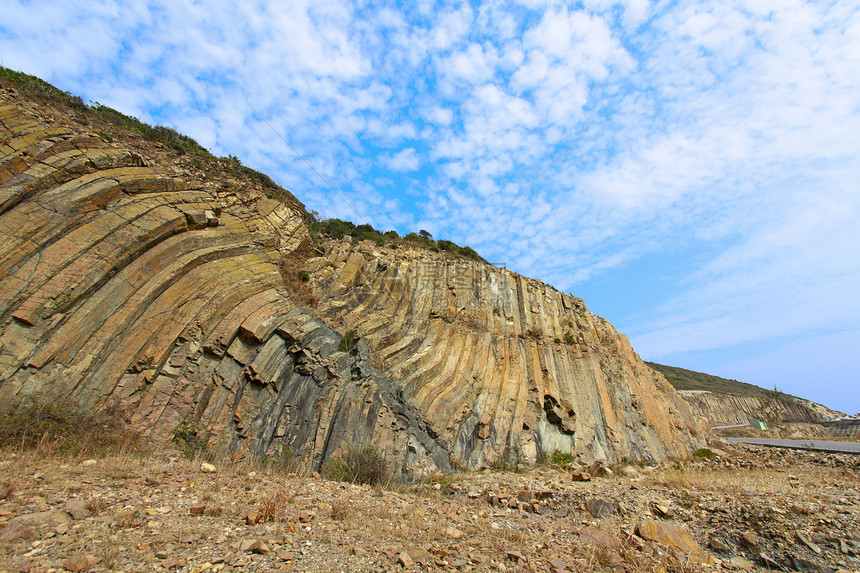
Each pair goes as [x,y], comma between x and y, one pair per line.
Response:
[365,465]
[129,518]
[341,510]
[110,553]
[272,506]
[96,506]
[513,535]
[7,489]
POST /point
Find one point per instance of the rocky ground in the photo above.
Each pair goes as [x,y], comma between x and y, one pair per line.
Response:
[745,508]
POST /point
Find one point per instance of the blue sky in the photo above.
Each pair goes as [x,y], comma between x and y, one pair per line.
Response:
[690,169]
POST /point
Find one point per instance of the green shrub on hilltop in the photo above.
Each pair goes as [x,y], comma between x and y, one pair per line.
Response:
[41,90]
[337,229]
[161,134]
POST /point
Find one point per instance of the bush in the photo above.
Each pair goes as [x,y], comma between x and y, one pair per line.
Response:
[704,453]
[365,465]
[510,462]
[187,436]
[304,276]
[349,340]
[562,459]
[63,428]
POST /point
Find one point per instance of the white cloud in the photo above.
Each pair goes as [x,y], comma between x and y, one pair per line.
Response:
[473,65]
[405,160]
[440,116]
[452,26]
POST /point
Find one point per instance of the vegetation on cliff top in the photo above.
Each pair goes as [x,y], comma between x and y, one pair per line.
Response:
[336,229]
[43,92]
[683,379]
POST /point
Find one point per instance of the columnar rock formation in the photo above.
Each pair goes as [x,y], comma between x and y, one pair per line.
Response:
[127,283]
[501,365]
[130,278]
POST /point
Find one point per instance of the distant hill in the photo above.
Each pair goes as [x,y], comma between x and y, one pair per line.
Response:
[733,402]
[683,379]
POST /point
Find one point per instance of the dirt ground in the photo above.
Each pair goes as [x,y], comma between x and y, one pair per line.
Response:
[745,508]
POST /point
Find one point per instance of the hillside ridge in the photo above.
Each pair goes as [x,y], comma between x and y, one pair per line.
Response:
[684,379]
[723,401]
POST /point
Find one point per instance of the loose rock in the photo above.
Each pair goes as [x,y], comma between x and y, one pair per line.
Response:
[675,537]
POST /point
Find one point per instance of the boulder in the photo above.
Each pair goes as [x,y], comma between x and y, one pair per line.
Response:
[674,537]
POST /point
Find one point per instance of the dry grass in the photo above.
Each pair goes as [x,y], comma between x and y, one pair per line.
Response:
[129,518]
[287,465]
[341,510]
[65,429]
[110,550]
[365,465]
[295,276]
[7,489]
[272,506]
[726,479]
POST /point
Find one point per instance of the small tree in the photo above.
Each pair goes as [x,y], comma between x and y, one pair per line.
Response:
[771,407]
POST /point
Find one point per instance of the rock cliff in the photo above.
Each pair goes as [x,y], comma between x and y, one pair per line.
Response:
[725,409]
[132,277]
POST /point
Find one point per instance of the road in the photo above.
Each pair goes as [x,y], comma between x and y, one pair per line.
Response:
[818,445]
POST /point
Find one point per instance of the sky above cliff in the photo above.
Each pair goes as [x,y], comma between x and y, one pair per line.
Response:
[690,169]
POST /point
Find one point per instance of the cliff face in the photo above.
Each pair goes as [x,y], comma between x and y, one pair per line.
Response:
[724,409]
[134,283]
[130,278]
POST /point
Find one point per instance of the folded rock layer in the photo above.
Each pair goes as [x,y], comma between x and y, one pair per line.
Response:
[129,279]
